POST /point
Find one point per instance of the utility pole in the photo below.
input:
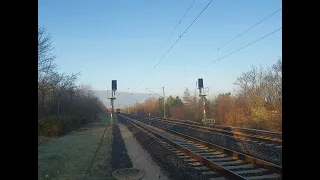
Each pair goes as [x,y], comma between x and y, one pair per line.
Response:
[164,104]
[137,107]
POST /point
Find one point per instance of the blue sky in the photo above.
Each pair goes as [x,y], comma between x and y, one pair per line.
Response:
[118,39]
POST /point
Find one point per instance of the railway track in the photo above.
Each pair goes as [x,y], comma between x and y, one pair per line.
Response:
[258,136]
[213,161]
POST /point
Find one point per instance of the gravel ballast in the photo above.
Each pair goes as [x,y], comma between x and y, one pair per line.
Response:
[174,167]
[260,151]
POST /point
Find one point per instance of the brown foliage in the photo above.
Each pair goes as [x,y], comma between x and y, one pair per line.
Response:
[258,103]
[223,105]
[177,113]
[235,117]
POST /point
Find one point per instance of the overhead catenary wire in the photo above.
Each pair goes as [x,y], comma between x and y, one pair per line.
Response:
[239,35]
[174,30]
[168,38]
[124,92]
[153,92]
[241,48]
[245,31]
[233,52]
[176,41]
[182,34]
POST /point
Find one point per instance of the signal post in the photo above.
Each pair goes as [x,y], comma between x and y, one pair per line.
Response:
[113,96]
[203,94]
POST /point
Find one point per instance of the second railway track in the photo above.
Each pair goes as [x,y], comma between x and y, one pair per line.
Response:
[214,161]
[258,136]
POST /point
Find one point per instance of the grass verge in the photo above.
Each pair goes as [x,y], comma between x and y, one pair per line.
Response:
[69,156]
[100,167]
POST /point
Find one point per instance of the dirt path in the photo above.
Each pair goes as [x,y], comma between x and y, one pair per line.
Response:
[140,157]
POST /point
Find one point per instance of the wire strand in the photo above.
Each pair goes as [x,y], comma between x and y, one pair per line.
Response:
[245,31]
[174,30]
[176,42]
[233,52]
[240,49]
[239,35]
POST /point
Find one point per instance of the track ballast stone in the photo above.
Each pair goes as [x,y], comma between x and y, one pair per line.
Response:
[120,158]
[260,151]
[174,167]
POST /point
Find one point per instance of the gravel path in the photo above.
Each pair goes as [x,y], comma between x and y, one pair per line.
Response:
[140,158]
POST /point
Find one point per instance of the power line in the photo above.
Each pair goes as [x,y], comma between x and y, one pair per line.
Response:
[124,92]
[183,33]
[177,40]
[168,39]
[242,33]
[174,30]
[240,49]
[153,92]
[251,27]
[236,51]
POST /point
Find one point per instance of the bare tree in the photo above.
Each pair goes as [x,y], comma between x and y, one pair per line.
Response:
[192,106]
[62,105]
[259,100]
[45,56]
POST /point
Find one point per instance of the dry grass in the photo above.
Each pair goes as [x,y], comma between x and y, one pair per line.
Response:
[68,157]
[101,164]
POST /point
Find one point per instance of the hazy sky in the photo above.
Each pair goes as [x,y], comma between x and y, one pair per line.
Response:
[118,39]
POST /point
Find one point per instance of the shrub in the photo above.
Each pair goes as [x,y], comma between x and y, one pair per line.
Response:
[235,117]
[260,119]
[57,126]
[48,127]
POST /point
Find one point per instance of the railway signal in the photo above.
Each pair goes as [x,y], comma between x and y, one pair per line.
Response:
[202,94]
[200,83]
[113,94]
[114,85]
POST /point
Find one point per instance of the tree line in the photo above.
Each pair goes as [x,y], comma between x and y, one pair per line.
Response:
[62,104]
[257,102]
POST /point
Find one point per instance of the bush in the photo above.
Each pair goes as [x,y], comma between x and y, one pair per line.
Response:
[260,119]
[235,117]
[48,127]
[57,126]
